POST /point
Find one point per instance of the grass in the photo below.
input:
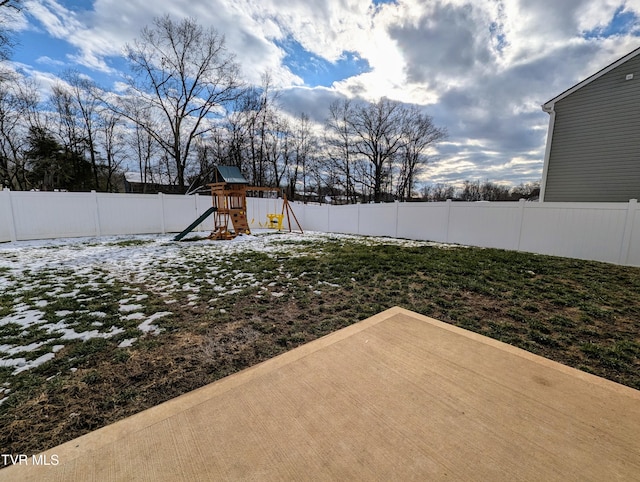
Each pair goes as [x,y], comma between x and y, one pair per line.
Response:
[249,306]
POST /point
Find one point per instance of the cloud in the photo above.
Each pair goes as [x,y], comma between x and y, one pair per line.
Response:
[45,60]
[104,30]
[445,43]
[58,21]
[312,101]
[480,68]
[489,69]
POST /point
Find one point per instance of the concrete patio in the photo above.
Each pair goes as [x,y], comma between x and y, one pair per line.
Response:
[398,396]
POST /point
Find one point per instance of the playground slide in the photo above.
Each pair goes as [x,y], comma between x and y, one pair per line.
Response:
[204,216]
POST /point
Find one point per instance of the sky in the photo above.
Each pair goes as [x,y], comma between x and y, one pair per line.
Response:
[480,68]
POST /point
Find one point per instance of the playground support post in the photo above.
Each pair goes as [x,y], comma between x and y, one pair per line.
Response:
[287,207]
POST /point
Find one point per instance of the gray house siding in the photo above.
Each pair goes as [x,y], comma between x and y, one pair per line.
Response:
[595,143]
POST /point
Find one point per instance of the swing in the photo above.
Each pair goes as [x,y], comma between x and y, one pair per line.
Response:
[275,219]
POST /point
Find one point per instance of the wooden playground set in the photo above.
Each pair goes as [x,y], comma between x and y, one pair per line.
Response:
[229,198]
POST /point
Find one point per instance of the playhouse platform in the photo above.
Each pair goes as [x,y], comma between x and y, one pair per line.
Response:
[398,396]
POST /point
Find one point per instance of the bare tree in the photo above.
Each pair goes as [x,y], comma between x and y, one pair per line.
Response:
[530,190]
[491,191]
[485,191]
[380,145]
[7,9]
[186,74]
[67,125]
[419,133]
[237,138]
[340,143]
[224,146]
[86,102]
[261,120]
[378,137]
[278,145]
[304,144]
[438,192]
[142,142]
[210,153]
[112,141]
[233,136]
[66,117]
[18,111]
[471,191]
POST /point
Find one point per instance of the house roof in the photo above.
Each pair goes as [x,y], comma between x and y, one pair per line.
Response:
[548,106]
[151,178]
[229,174]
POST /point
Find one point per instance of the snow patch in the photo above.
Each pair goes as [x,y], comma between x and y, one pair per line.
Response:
[147,326]
[134,316]
[28,365]
[71,294]
[127,343]
[13,349]
[128,308]
[24,317]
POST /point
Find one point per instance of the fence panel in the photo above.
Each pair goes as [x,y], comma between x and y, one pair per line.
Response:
[576,230]
[40,215]
[632,254]
[425,221]
[488,225]
[316,217]
[130,214]
[377,219]
[345,219]
[178,211]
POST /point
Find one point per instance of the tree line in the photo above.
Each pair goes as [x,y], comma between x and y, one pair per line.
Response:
[184,109]
[480,191]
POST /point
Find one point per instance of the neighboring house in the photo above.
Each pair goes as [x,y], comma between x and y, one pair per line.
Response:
[134,183]
[593,142]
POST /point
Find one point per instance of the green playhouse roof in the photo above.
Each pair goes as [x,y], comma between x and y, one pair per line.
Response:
[230,174]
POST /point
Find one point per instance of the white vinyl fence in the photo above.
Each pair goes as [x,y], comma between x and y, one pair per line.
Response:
[607,232]
[38,215]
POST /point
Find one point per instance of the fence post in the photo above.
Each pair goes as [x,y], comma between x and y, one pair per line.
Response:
[196,198]
[10,216]
[397,215]
[96,214]
[625,246]
[449,202]
[161,197]
[521,223]
[329,217]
